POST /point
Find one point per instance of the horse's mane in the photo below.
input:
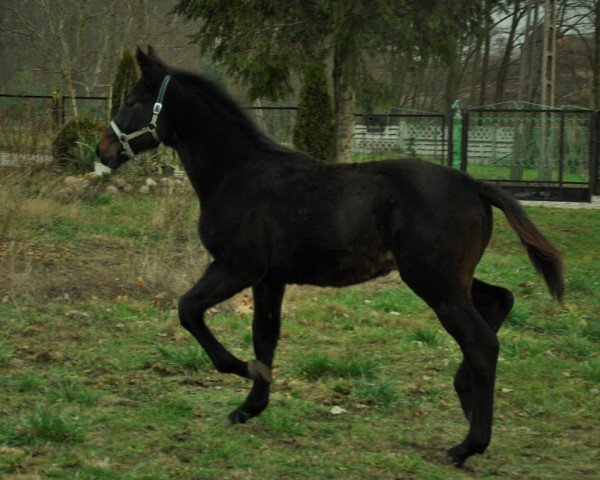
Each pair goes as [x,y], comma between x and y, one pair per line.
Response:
[205,90]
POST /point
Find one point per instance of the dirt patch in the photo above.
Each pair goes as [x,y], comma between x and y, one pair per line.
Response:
[38,270]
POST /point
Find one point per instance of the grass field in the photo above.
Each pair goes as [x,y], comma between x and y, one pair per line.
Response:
[98,380]
[488,171]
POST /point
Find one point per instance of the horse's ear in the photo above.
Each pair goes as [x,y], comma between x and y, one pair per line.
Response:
[142,60]
[151,65]
[152,53]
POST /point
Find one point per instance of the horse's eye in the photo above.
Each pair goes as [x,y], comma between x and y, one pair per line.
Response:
[129,103]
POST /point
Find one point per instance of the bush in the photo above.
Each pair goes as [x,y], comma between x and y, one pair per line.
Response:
[73,147]
[126,77]
[314,132]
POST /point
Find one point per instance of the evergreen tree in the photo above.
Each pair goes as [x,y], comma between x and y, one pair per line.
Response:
[314,132]
[260,43]
[127,75]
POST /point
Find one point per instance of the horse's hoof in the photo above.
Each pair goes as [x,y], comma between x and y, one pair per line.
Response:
[446,459]
[259,371]
[455,456]
[235,418]
[228,422]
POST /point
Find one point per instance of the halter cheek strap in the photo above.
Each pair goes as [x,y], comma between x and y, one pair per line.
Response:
[124,138]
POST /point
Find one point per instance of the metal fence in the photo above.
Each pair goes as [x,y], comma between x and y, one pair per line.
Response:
[378,137]
[29,123]
[278,122]
[536,153]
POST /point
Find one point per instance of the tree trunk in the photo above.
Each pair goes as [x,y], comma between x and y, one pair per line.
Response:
[596,73]
[486,53]
[344,74]
[535,64]
[505,64]
[475,70]
[452,85]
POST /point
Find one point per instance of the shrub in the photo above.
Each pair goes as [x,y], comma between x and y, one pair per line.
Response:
[314,132]
[127,75]
[73,145]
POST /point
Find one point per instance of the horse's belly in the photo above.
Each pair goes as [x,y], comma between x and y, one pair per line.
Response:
[338,269]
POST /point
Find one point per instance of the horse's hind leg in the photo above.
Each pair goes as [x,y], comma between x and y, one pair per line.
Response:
[265,329]
[448,294]
[480,347]
[218,283]
[493,304]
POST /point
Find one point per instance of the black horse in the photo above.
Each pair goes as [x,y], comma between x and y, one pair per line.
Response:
[273,216]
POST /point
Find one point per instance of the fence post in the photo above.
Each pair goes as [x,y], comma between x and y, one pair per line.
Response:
[62,110]
[456,134]
[594,184]
[561,152]
[55,110]
[464,140]
[109,104]
[450,144]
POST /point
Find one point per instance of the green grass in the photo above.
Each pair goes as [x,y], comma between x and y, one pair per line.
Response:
[28,383]
[5,353]
[99,381]
[317,365]
[591,370]
[427,336]
[69,391]
[494,171]
[40,426]
[190,358]
[379,392]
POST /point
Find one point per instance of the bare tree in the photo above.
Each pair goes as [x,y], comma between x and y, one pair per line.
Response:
[517,15]
[582,19]
[77,42]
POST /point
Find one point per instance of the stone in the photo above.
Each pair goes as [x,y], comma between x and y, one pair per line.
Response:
[120,182]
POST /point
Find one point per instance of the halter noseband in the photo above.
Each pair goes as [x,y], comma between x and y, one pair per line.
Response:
[124,138]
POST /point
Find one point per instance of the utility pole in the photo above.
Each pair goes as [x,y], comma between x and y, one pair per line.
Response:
[547,87]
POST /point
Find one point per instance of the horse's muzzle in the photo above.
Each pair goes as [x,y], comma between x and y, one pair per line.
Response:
[110,152]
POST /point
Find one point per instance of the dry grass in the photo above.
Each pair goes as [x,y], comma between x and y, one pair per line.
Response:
[56,241]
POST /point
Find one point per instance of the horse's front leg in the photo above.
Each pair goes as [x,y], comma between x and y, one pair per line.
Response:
[218,283]
[265,330]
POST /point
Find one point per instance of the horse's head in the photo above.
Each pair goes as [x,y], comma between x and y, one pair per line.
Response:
[139,125]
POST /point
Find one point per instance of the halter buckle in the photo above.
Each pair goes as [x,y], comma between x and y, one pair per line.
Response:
[157,108]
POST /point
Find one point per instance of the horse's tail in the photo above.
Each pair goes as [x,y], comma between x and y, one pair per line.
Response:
[543,255]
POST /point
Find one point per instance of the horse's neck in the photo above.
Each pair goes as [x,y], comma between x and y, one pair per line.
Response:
[207,164]
[213,148]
